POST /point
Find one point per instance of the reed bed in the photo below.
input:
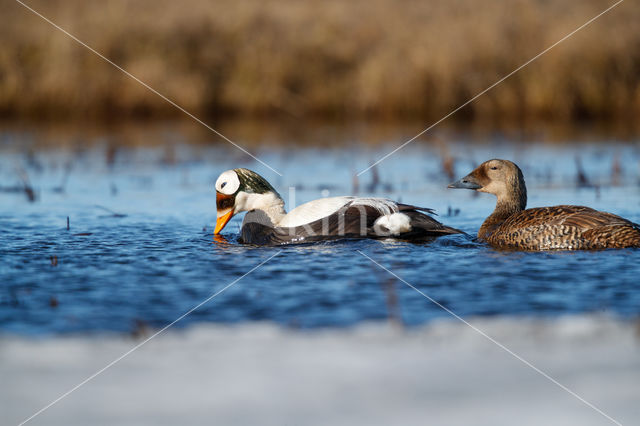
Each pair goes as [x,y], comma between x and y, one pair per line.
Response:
[321,58]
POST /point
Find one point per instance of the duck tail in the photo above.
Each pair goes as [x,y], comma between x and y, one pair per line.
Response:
[429,225]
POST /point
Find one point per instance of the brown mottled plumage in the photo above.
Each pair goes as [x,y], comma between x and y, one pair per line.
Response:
[543,228]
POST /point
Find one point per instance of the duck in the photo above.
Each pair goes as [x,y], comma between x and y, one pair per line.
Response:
[563,227]
[267,222]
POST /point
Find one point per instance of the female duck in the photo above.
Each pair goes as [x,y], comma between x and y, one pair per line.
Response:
[267,222]
[543,228]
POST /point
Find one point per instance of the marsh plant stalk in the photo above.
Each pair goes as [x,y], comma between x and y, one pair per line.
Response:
[147,86]
[491,87]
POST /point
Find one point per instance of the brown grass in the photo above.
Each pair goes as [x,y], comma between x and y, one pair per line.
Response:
[336,58]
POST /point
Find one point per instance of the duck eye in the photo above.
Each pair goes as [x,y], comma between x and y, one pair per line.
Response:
[494,168]
[223,184]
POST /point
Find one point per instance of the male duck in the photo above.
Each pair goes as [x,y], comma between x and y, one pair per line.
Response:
[267,222]
[543,228]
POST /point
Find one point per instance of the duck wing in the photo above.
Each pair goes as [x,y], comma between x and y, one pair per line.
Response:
[314,210]
[566,227]
[357,218]
[570,216]
[422,223]
[409,207]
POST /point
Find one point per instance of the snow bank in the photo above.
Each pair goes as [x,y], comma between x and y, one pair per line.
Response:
[444,373]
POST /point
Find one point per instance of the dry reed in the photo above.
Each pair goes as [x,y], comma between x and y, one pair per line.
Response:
[335,58]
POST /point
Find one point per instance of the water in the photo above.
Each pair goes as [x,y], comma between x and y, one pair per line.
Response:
[140,251]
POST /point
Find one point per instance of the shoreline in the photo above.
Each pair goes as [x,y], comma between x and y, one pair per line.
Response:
[251,373]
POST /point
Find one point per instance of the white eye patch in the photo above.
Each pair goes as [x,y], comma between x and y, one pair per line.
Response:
[228,183]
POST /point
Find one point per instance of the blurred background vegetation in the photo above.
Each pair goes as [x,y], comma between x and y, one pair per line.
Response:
[372,59]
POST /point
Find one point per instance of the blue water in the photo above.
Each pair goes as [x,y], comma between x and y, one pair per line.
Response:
[157,258]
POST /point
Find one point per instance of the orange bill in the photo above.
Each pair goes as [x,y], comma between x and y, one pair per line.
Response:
[222,221]
[224,205]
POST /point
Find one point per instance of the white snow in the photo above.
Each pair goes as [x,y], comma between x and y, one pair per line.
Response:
[441,374]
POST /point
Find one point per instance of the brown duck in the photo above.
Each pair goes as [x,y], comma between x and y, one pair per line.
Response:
[543,228]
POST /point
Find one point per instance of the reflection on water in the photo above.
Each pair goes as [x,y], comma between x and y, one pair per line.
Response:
[138,249]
